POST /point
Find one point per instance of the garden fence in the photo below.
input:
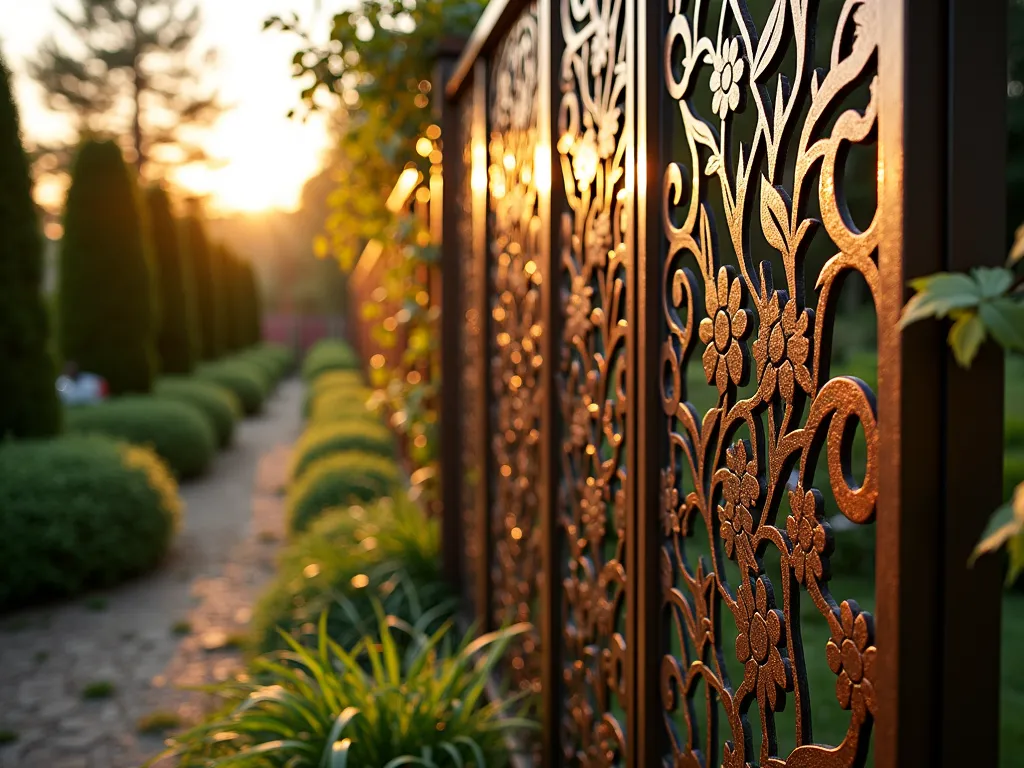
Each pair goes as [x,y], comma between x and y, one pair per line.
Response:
[651,450]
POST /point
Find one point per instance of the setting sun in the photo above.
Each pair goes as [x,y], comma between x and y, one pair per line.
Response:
[261,157]
[260,169]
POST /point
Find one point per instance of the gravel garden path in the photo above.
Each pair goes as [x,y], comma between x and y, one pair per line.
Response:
[95,683]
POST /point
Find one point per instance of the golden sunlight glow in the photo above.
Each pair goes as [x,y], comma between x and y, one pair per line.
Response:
[407,182]
[261,170]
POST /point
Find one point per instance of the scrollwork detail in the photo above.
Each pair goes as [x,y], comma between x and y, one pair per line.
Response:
[746,330]
[594,137]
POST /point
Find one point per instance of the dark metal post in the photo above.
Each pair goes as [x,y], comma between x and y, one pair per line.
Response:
[549,178]
[942,137]
[451,329]
[973,460]
[649,734]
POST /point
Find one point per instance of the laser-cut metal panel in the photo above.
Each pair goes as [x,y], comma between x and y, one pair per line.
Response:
[595,150]
[516,363]
[472,358]
[764,136]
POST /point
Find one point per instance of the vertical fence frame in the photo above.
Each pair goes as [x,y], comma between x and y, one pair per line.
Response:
[941,145]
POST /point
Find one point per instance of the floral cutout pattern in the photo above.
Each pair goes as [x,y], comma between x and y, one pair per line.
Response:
[724,330]
[733,467]
[515,342]
[594,124]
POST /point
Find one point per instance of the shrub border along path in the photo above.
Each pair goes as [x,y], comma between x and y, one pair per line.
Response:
[126,636]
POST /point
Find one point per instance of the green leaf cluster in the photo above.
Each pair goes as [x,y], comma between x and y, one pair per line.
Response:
[376,69]
[980,304]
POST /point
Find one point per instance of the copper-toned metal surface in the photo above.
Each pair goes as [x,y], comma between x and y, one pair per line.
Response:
[734,467]
[471,306]
[647,181]
[516,362]
[594,147]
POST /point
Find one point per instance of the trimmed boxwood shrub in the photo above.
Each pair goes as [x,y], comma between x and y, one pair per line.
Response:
[178,343]
[329,355]
[80,512]
[339,480]
[341,404]
[331,380]
[245,380]
[179,433]
[390,542]
[328,438]
[28,400]
[220,405]
[107,314]
[267,366]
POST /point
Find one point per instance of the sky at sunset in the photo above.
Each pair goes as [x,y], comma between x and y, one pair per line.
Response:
[266,156]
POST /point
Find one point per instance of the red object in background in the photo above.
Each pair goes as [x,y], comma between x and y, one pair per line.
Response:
[300,332]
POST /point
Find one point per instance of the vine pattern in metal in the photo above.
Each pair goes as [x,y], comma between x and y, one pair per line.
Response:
[517,328]
[472,361]
[595,134]
[740,321]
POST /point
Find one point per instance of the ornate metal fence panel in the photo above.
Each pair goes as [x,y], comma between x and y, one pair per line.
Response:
[663,457]
[746,467]
[594,382]
[516,360]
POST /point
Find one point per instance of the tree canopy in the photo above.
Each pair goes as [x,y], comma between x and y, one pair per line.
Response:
[130,69]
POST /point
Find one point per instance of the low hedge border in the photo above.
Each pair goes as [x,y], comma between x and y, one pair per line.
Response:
[80,512]
[179,433]
[220,405]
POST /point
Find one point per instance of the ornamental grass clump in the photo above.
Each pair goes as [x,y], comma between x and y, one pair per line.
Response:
[374,705]
[349,559]
[339,480]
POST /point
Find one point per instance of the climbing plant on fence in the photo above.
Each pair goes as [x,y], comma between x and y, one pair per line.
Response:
[376,69]
[988,302]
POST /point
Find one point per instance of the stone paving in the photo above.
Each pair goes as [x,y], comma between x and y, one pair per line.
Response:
[134,646]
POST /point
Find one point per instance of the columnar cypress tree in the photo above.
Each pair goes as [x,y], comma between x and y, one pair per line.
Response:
[227,297]
[253,305]
[107,293]
[240,301]
[28,399]
[178,339]
[204,263]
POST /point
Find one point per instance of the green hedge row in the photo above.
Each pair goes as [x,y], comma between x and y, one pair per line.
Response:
[178,432]
[329,355]
[80,512]
[219,405]
[358,624]
[187,418]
